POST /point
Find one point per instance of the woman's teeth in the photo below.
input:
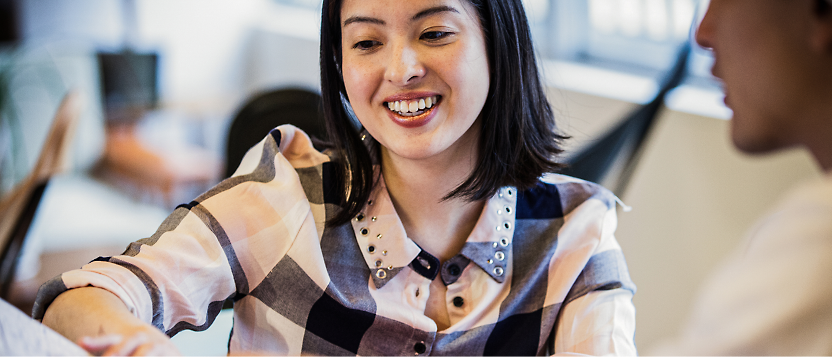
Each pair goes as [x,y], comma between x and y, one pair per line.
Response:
[412,107]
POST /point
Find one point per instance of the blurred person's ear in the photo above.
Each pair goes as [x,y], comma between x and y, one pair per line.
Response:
[822,26]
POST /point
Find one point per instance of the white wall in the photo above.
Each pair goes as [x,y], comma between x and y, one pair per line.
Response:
[201,43]
[96,21]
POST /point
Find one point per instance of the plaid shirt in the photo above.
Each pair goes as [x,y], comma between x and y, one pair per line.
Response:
[540,272]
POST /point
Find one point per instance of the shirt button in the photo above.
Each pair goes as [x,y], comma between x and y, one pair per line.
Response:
[453,269]
[459,301]
[420,348]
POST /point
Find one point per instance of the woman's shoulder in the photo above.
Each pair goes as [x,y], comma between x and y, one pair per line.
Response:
[557,195]
[287,142]
[296,146]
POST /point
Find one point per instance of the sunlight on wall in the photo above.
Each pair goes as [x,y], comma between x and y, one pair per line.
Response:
[201,44]
[658,20]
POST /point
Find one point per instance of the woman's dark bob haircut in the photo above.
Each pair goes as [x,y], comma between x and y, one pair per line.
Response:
[518,141]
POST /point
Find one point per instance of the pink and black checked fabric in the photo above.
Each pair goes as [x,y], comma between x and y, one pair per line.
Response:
[300,287]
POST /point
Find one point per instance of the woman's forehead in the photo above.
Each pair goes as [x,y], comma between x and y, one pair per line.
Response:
[379,9]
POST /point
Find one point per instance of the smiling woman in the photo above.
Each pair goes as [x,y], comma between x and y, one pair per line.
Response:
[438,53]
[436,227]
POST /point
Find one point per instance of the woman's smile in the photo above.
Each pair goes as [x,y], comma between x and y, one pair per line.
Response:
[411,113]
[413,107]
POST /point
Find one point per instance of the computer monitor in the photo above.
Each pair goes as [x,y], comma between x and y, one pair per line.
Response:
[129,85]
[8,22]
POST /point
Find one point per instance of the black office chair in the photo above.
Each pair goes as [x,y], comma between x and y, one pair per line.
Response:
[299,107]
[625,141]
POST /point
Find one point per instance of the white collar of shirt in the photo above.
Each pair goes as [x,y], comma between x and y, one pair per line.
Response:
[387,249]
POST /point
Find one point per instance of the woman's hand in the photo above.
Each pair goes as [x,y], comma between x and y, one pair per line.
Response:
[101,324]
[140,343]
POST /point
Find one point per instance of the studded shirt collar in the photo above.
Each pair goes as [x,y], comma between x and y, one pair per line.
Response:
[387,249]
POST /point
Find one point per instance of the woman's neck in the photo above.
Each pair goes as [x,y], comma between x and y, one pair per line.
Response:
[417,189]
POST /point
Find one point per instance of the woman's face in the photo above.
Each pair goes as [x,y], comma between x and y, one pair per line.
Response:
[416,73]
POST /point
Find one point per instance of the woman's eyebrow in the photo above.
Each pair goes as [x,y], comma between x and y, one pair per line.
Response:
[357,19]
[433,10]
[421,14]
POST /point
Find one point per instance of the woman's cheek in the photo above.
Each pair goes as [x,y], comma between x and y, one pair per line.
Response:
[348,74]
[356,81]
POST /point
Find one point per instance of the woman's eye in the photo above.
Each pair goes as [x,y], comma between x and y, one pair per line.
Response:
[366,45]
[435,35]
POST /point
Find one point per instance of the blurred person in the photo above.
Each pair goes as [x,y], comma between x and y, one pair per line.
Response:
[772,296]
[431,229]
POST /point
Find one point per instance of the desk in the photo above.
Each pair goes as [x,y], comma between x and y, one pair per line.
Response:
[22,336]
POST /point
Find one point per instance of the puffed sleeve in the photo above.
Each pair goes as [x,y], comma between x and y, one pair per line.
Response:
[210,249]
[597,315]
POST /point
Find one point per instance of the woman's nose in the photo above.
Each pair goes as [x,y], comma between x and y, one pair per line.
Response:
[404,67]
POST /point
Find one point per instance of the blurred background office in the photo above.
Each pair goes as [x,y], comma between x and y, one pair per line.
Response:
[161,81]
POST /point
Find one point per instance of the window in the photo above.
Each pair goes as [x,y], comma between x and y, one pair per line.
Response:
[634,36]
[312,4]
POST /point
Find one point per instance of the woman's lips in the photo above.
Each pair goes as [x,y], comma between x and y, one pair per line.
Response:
[415,115]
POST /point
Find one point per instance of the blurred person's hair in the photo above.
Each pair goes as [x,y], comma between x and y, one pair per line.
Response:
[519,140]
[824,6]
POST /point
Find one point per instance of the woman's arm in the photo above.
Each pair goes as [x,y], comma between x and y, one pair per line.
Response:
[597,316]
[100,323]
[600,323]
[179,277]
